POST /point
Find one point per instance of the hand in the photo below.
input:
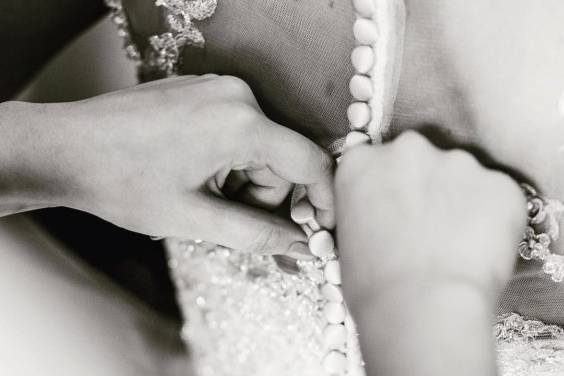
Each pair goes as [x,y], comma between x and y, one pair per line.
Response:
[157,159]
[428,239]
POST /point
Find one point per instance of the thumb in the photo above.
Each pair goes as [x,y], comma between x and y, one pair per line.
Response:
[239,226]
[298,160]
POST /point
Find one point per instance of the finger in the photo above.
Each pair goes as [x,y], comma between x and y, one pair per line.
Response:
[234,183]
[297,159]
[264,177]
[192,78]
[268,198]
[245,228]
[265,189]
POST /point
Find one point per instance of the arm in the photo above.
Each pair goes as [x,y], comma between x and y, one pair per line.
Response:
[32,31]
[190,157]
[428,240]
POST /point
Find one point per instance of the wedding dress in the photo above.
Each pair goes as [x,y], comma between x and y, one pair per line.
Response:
[247,314]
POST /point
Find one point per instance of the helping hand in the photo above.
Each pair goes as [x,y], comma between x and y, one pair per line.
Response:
[428,239]
[160,157]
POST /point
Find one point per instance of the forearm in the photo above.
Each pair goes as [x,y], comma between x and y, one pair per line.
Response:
[35,165]
[428,331]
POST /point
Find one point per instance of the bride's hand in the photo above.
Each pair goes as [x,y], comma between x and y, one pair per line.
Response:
[428,240]
[155,159]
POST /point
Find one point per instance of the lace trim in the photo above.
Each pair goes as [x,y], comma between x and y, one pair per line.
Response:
[543,228]
[528,347]
[514,327]
[165,50]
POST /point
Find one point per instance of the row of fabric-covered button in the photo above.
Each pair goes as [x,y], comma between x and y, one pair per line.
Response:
[321,243]
[363,58]
[322,246]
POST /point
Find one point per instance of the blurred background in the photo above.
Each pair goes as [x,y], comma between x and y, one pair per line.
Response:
[94,64]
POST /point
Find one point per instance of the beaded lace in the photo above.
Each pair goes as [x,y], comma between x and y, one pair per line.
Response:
[528,347]
[163,55]
[543,228]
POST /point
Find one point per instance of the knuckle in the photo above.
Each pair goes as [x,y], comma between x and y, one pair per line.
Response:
[234,86]
[411,140]
[507,194]
[459,158]
[411,148]
[241,114]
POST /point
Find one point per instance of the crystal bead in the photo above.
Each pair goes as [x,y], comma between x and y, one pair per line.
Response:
[525,251]
[321,244]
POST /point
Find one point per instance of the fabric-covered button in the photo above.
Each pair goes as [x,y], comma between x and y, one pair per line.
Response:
[361,87]
[321,243]
[334,312]
[364,8]
[358,114]
[302,212]
[332,272]
[365,31]
[362,59]
[332,293]
[335,363]
[335,336]
[356,138]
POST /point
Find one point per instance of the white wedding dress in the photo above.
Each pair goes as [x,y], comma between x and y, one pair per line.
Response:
[244,315]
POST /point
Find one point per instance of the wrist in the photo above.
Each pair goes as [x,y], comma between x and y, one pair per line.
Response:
[424,324]
[35,164]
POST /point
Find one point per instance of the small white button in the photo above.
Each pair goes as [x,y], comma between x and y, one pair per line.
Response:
[335,336]
[332,272]
[361,87]
[334,313]
[362,59]
[365,31]
[335,363]
[332,293]
[365,8]
[302,212]
[321,243]
[356,138]
[358,114]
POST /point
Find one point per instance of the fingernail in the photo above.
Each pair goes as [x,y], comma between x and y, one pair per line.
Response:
[299,251]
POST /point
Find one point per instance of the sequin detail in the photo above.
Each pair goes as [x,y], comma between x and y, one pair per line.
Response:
[244,316]
[528,347]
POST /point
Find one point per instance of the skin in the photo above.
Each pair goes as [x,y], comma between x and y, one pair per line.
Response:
[430,259]
[112,153]
[472,299]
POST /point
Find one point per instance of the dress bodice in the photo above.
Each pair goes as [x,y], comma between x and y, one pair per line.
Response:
[296,58]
